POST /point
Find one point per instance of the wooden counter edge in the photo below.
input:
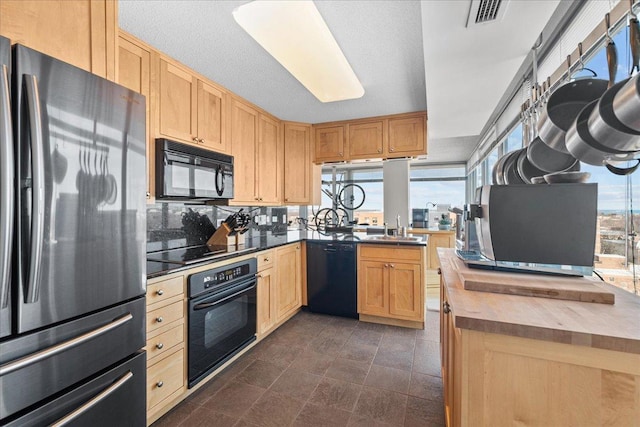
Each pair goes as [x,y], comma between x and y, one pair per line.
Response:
[605,342]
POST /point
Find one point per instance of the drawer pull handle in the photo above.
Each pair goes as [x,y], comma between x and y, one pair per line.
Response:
[266,260]
[260,276]
[195,139]
[159,384]
[159,292]
[386,265]
[159,346]
[392,266]
[439,271]
[159,319]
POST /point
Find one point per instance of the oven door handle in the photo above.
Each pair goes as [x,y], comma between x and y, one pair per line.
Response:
[204,305]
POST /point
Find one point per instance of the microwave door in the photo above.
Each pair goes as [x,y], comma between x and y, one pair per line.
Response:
[208,180]
[178,175]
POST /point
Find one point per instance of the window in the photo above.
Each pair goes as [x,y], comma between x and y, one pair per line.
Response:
[615,252]
[438,185]
[514,140]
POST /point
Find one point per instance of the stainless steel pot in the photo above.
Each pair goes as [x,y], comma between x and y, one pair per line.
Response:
[510,170]
[626,103]
[585,147]
[563,107]
[607,129]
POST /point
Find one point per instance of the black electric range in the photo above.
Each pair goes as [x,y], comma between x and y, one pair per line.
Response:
[193,254]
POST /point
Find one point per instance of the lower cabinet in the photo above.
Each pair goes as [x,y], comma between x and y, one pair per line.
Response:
[391,283]
[166,354]
[266,293]
[288,283]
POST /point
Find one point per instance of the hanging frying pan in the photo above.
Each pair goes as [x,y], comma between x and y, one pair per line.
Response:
[525,169]
[563,107]
[511,175]
[585,147]
[545,158]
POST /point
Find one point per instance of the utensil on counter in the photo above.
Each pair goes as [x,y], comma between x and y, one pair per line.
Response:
[564,105]
[567,177]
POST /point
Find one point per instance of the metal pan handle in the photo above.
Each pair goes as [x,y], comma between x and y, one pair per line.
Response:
[94,401]
[37,208]
[6,186]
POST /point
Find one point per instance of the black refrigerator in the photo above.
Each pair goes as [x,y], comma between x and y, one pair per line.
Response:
[72,245]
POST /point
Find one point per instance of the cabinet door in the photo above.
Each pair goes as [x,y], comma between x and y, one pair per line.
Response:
[405,291]
[266,301]
[288,280]
[244,128]
[297,164]
[407,136]
[438,240]
[133,72]
[211,117]
[268,164]
[373,288]
[80,32]
[330,144]
[366,139]
[177,103]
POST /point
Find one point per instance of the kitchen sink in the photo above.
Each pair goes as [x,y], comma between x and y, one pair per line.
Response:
[394,239]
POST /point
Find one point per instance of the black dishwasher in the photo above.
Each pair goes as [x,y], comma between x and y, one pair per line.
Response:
[332,278]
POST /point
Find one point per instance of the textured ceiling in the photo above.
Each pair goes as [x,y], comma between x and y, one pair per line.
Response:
[467,69]
[381,39]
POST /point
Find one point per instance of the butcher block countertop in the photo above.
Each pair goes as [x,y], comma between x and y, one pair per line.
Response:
[605,326]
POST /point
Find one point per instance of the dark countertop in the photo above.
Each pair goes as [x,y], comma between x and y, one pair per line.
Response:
[256,240]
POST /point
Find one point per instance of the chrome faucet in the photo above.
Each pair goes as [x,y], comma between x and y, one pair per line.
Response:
[385,232]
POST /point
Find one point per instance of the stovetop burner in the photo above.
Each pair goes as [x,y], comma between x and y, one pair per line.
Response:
[188,255]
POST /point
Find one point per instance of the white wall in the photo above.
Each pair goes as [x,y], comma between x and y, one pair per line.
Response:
[396,191]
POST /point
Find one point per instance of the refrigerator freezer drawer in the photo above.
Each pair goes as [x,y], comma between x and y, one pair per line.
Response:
[112,398]
[38,365]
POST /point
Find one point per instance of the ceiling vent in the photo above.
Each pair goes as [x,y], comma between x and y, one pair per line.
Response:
[484,11]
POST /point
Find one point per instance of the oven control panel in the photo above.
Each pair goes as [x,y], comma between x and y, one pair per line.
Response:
[214,278]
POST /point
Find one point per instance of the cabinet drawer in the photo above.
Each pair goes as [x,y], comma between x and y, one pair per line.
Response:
[165,315]
[165,378]
[265,260]
[387,252]
[164,342]
[164,290]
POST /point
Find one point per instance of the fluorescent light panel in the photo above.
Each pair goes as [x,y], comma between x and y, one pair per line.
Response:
[295,34]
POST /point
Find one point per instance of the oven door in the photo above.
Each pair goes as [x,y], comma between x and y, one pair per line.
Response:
[188,176]
[220,325]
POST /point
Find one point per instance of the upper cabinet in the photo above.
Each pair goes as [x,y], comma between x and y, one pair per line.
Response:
[301,176]
[407,136]
[399,135]
[330,144]
[190,109]
[81,32]
[256,150]
[134,61]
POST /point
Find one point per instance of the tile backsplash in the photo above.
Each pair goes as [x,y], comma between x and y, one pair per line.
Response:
[176,225]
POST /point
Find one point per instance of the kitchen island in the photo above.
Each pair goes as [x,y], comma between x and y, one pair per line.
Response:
[519,360]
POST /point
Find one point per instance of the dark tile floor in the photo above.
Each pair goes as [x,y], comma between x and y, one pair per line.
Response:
[318,370]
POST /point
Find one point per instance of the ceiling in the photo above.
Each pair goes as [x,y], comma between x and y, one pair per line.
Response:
[386,42]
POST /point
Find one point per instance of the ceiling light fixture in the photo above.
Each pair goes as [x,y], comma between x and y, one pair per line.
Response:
[295,34]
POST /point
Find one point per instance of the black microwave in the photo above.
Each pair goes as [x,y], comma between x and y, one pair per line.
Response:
[186,173]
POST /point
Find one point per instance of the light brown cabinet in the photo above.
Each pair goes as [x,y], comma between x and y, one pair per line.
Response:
[190,109]
[134,61]
[367,140]
[330,143]
[288,284]
[83,33]
[439,240]
[165,347]
[301,176]
[256,150]
[398,135]
[391,283]
[407,136]
[266,301]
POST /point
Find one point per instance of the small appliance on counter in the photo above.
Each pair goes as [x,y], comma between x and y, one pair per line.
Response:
[420,218]
[535,228]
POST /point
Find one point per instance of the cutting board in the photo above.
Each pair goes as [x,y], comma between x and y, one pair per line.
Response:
[532,285]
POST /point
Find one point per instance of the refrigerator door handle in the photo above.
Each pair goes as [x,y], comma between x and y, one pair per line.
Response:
[37,209]
[6,186]
[93,401]
[7,368]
